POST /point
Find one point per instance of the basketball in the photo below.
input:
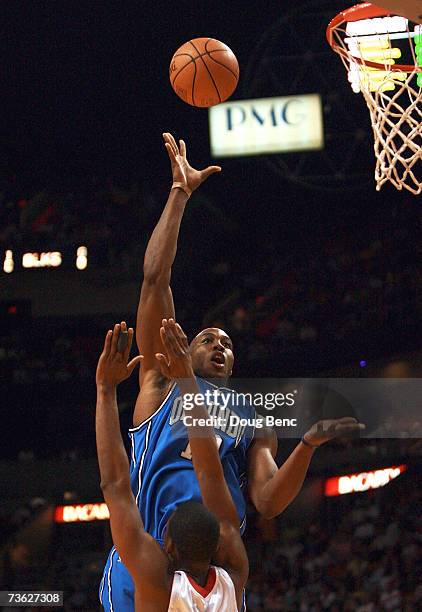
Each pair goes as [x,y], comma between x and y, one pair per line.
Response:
[204,72]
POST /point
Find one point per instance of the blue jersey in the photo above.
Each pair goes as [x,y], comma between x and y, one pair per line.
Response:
[161,470]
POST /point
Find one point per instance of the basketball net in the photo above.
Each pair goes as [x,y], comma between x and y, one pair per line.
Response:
[369,40]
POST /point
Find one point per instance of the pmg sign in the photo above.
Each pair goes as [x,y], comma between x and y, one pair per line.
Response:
[266,125]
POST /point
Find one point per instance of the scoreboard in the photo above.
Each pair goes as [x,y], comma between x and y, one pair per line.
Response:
[14,260]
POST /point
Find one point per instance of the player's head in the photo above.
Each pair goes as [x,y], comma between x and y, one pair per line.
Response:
[192,535]
[212,353]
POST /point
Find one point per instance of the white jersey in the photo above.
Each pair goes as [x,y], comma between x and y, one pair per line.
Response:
[186,598]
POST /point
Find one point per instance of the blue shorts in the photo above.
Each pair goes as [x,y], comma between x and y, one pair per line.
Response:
[117,588]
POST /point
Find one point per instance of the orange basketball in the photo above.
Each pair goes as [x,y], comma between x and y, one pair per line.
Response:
[204,72]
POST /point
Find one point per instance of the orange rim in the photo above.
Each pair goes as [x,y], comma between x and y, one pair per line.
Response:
[355,13]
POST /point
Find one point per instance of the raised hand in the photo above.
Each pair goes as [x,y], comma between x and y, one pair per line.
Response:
[113,366]
[327,429]
[177,363]
[184,176]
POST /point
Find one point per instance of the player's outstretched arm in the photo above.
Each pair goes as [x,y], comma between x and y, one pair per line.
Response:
[156,301]
[136,548]
[271,488]
[177,365]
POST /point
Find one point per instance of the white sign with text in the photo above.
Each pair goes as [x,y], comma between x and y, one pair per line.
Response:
[266,125]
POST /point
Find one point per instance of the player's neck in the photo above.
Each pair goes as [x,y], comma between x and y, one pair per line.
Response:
[217,382]
[197,571]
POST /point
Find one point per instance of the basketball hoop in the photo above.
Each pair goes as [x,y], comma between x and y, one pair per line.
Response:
[369,40]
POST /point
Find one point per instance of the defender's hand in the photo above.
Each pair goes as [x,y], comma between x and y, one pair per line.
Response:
[113,366]
[327,429]
[183,173]
[177,363]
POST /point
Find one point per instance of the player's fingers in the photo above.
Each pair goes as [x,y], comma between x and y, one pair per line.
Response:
[164,366]
[180,333]
[107,343]
[182,337]
[348,420]
[168,325]
[171,149]
[122,342]
[210,170]
[170,139]
[128,335]
[166,341]
[123,338]
[171,153]
[162,358]
[170,341]
[175,336]
[182,148]
[115,339]
[133,363]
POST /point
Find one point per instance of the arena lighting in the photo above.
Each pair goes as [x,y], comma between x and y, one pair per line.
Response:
[48,259]
[42,260]
[379,25]
[81,513]
[370,39]
[8,264]
[382,80]
[82,258]
[356,483]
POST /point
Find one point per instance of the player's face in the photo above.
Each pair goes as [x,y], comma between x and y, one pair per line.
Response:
[212,354]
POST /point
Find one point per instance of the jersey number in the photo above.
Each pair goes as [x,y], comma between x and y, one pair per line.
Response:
[187,453]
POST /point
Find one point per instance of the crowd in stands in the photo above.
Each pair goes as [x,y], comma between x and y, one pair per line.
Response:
[290,312]
[362,554]
[341,294]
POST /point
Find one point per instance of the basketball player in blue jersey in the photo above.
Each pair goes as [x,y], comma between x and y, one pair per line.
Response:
[162,474]
[178,577]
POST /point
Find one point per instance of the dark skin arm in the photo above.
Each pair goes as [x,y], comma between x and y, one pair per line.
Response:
[141,554]
[156,300]
[177,365]
[271,488]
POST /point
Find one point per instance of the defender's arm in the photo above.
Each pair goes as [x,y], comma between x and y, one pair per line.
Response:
[215,493]
[136,547]
[206,459]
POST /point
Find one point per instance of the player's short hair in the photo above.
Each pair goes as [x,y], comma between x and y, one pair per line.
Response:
[195,531]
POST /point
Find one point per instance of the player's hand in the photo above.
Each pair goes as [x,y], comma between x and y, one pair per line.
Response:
[183,172]
[327,429]
[177,363]
[113,366]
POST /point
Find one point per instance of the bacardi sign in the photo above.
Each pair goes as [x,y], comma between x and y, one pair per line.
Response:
[356,483]
[81,513]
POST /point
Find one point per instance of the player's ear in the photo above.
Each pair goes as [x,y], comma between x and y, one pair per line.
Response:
[217,550]
[171,550]
[169,546]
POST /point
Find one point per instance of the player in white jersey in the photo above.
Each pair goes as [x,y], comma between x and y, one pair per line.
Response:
[203,566]
[219,595]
